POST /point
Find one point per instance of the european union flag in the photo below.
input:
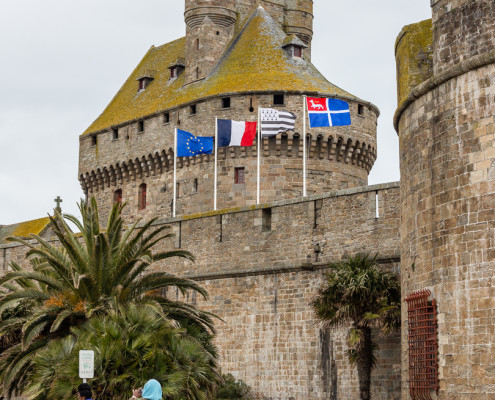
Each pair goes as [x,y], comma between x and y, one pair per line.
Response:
[328,112]
[189,145]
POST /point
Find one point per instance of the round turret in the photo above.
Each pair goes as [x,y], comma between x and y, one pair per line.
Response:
[220,12]
[299,21]
[445,127]
[209,28]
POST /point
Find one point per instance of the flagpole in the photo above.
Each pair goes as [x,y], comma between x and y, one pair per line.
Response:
[216,157]
[175,172]
[304,146]
[258,162]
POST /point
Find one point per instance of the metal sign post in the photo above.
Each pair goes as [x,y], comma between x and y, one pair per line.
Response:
[86,364]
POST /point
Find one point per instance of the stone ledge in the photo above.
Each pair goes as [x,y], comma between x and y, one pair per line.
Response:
[276,270]
[435,81]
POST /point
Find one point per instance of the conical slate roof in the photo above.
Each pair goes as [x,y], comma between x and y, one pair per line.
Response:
[255,61]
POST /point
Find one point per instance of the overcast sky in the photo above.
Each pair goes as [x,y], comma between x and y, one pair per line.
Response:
[62,61]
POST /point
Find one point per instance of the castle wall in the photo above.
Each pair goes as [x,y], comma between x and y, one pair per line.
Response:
[337,158]
[447,146]
[262,276]
[463,29]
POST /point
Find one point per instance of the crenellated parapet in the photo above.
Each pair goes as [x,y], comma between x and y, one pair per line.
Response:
[321,147]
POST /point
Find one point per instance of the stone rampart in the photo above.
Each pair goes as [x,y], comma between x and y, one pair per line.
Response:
[262,266]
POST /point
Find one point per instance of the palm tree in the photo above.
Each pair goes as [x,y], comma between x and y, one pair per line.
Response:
[131,345]
[359,292]
[85,275]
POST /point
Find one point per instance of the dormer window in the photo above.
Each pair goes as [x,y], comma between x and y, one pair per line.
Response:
[176,68]
[143,82]
[293,46]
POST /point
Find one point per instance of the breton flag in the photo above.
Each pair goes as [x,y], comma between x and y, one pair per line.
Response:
[274,121]
[328,112]
[235,133]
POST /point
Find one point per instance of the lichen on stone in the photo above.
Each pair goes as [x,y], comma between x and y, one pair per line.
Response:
[414,57]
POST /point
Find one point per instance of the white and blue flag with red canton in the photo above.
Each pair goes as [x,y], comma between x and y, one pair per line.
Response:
[328,112]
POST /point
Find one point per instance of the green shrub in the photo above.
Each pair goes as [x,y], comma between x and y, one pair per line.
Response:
[233,389]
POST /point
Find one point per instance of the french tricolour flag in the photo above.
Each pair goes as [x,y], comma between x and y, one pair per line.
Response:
[328,112]
[235,133]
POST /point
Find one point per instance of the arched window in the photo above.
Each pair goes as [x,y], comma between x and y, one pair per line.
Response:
[142,196]
[117,196]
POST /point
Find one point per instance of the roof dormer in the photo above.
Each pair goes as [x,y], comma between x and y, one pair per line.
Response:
[144,81]
[294,46]
[176,68]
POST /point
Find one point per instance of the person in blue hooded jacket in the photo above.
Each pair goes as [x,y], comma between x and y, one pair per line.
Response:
[151,391]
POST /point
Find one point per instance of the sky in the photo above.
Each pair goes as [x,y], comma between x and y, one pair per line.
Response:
[62,61]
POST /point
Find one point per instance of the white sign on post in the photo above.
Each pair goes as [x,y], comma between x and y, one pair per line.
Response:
[86,364]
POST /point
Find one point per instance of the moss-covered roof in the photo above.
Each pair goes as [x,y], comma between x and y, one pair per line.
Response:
[24,229]
[254,62]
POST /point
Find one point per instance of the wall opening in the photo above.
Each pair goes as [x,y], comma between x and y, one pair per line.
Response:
[142,197]
[239,174]
[266,218]
[226,102]
[278,100]
[117,196]
[422,345]
[115,133]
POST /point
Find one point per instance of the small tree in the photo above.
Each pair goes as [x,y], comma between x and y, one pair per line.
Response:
[359,292]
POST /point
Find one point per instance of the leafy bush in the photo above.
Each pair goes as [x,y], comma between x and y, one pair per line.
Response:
[233,389]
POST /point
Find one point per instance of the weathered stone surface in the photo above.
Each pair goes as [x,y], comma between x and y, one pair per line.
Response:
[261,278]
[447,147]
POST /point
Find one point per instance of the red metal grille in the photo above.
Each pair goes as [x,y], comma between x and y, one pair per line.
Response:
[423,347]
[239,175]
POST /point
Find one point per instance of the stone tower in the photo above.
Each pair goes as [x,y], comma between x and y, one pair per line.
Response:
[237,56]
[209,28]
[446,128]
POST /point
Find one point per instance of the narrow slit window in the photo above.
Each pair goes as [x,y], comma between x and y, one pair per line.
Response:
[226,102]
[195,187]
[197,44]
[115,134]
[360,109]
[94,140]
[239,175]
[197,72]
[177,189]
[142,196]
[192,109]
[141,126]
[117,196]
[166,118]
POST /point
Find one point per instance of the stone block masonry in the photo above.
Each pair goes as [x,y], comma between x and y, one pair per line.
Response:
[446,129]
[262,265]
